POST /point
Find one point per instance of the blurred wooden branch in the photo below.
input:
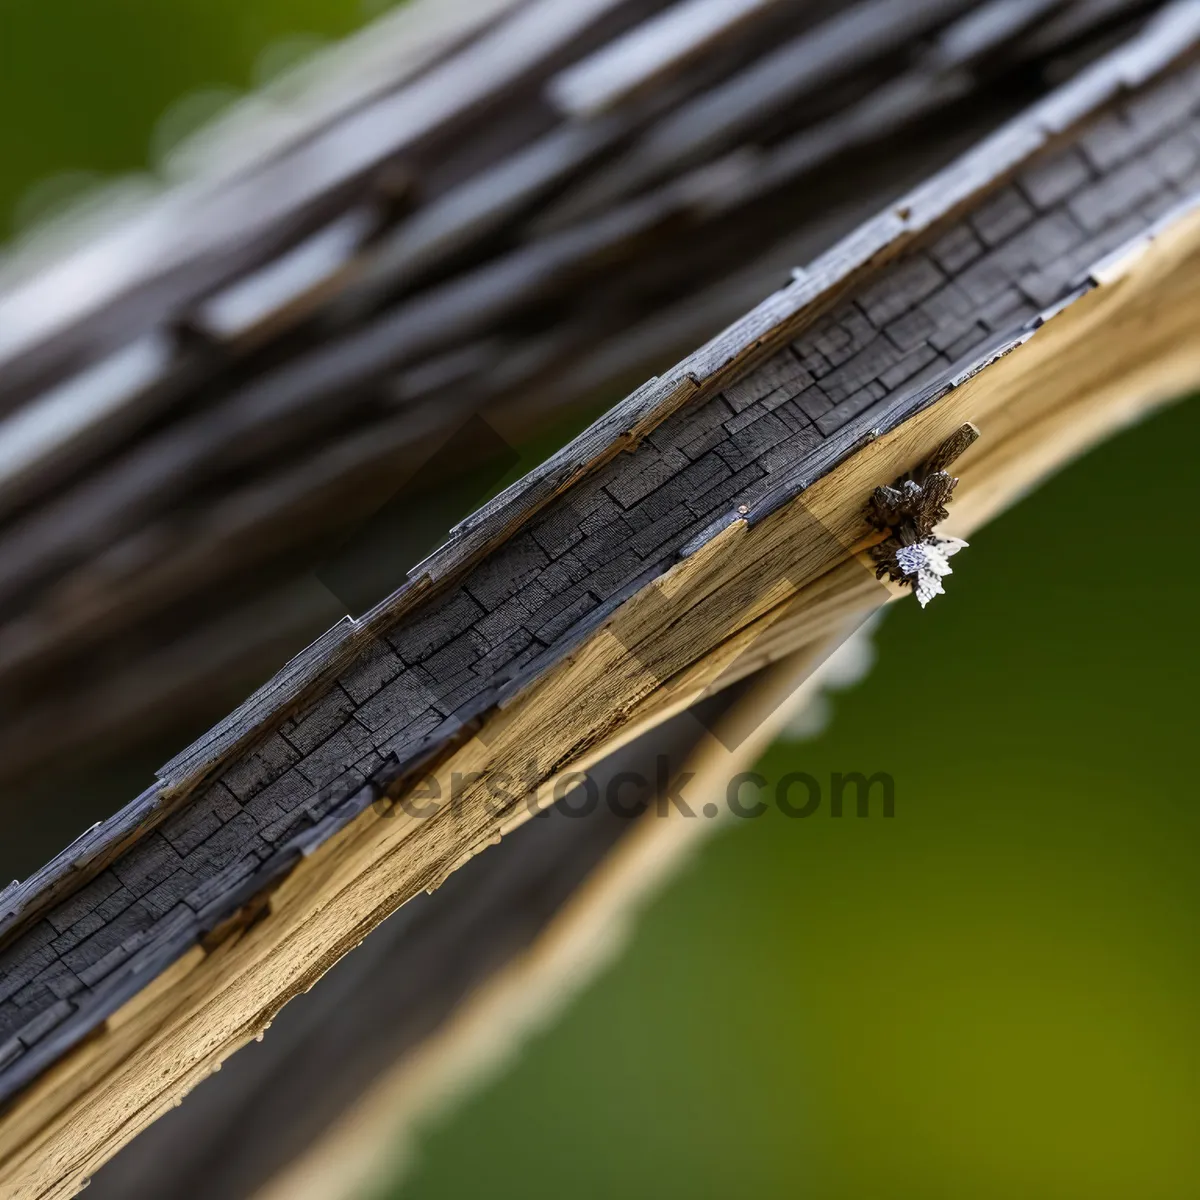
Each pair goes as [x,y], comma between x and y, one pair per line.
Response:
[465,211]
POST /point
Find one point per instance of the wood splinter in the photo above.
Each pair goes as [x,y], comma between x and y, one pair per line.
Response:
[909,511]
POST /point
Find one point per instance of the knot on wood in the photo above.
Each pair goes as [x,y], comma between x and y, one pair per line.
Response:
[909,511]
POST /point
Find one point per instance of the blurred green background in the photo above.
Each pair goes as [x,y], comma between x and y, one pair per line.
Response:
[92,89]
[993,994]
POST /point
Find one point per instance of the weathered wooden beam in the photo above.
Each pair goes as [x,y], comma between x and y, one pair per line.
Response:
[662,46]
[1043,287]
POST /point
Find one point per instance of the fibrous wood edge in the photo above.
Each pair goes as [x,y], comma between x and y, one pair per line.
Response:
[1116,351]
[374,1139]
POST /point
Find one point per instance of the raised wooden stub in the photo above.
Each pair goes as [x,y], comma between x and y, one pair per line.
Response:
[908,512]
[957,444]
[562,616]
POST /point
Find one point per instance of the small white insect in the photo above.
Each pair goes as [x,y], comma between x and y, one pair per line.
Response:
[929,560]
